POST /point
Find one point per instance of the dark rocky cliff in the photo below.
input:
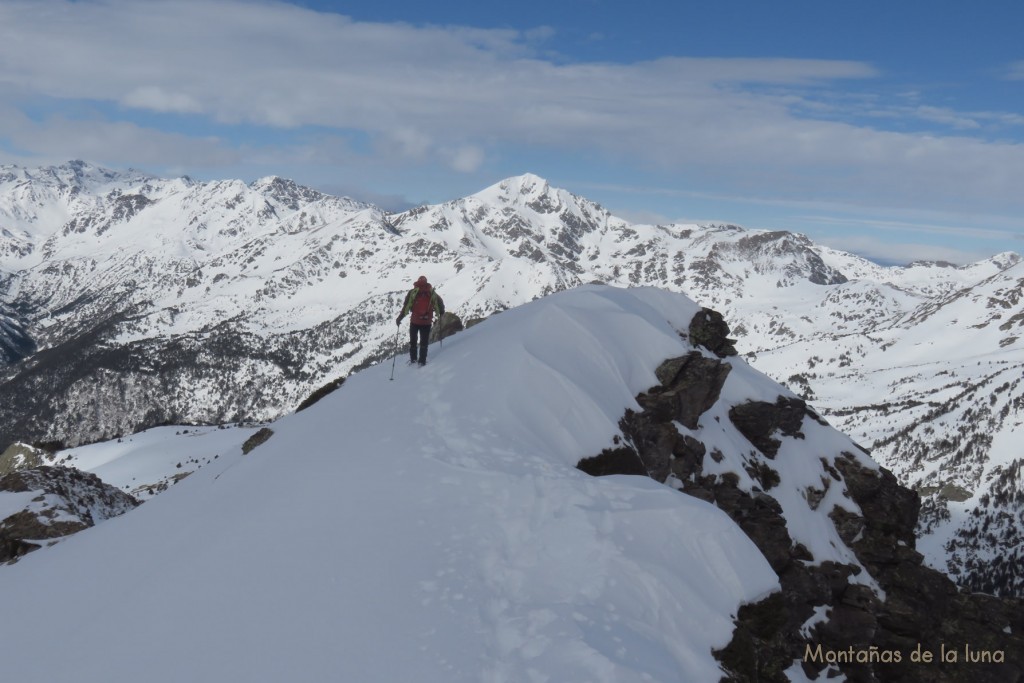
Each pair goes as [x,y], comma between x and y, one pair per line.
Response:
[864,620]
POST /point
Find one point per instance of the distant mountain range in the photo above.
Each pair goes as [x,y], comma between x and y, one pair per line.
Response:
[128,301]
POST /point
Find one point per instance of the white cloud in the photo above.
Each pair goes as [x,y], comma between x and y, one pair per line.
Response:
[157,99]
[968,231]
[276,64]
[407,142]
[947,117]
[887,251]
[448,95]
[59,138]
[466,159]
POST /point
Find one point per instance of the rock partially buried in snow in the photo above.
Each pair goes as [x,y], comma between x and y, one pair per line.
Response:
[690,385]
[448,325]
[760,420]
[46,503]
[257,439]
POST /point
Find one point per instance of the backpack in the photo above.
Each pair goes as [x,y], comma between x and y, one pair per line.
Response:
[422,309]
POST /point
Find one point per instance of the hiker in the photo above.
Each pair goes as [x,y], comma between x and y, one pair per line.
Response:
[421,302]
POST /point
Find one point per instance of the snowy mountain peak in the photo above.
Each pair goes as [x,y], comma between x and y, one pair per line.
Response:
[931,264]
[1000,261]
[536,194]
[86,172]
[1005,259]
[285,191]
[527,184]
[71,177]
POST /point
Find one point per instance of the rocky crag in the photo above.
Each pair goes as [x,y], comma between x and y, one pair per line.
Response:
[863,618]
[50,503]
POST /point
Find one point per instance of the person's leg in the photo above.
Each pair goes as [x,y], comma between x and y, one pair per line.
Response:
[424,340]
[412,343]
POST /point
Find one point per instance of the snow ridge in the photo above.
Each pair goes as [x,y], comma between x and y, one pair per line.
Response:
[428,528]
[233,301]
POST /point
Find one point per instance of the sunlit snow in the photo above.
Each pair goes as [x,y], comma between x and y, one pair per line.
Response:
[430,528]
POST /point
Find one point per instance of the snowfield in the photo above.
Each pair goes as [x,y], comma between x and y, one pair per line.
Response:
[429,528]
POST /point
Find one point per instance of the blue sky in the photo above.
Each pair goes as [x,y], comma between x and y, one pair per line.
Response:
[892,129]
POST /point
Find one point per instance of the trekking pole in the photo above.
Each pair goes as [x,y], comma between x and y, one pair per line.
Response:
[440,331]
[398,330]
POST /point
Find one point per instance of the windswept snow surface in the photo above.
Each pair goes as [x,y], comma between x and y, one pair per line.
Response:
[430,528]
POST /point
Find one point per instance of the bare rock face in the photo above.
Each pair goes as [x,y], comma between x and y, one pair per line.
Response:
[689,386]
[446,326]
[20,456]
[866,634]
[61,501]
[921,605]
[759,421]
[621,460]
[709,329]
[257,439]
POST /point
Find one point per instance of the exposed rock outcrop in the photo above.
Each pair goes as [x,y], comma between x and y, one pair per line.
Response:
[320,393]
[760,420]
[863,618]
[689,386]
[448,325]
[257,439]
[709,329]
[61,501]
[20,456]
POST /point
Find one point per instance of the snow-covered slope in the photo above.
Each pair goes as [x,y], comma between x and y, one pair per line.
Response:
[128,301]
[429,528]
[436,527]
[45,503]
[147,463]
[938,396]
